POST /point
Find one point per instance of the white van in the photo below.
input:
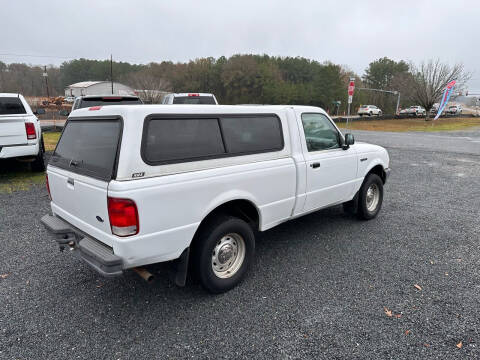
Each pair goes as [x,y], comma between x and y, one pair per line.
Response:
[137,185]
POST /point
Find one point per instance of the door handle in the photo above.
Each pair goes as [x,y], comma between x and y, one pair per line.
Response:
[315,165]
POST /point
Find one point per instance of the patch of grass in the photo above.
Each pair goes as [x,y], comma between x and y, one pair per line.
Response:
[401,125]
[17,176]
[50,140]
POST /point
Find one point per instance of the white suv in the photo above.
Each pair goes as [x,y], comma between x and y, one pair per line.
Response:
[454,110]
[369,110]
[137,185]
[190,99]
[20,132]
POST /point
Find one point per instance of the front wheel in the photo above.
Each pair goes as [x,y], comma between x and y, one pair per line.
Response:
[223,252]
[370,197]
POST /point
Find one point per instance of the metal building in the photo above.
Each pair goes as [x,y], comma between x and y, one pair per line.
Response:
[97,88]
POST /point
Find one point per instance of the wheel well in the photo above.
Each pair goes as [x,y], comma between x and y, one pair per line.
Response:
[378,170]
[242,209]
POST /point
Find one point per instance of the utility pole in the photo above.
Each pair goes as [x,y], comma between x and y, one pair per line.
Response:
[111,71]
[45,75]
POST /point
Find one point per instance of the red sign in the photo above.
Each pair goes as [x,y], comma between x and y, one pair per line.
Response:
[351,88]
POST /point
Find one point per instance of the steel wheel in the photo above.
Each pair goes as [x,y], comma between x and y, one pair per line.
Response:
[373,197]
[228,255]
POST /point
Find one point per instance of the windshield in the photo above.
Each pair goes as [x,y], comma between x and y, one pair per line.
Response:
[103,101]
[88,147]
[11,106]
[199,100]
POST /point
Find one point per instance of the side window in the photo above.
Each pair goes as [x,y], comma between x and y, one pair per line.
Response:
[248,134]
[320,133]
[174,140]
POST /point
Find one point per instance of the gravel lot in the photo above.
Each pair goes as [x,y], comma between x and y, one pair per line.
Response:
[321,286]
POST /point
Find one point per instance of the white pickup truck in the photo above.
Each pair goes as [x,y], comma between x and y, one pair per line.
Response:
[136,185]
[20,133]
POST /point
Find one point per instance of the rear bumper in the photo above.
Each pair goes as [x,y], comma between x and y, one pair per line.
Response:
[97,255]
[10,151]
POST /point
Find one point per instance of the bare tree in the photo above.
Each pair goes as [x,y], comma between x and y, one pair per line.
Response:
[149,88]
[430,78]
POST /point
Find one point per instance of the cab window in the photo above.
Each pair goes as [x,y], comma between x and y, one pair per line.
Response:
[320,133]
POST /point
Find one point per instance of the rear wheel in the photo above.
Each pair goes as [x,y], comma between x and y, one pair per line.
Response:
[38,165]
[370,197]
[223,252]
[379,113]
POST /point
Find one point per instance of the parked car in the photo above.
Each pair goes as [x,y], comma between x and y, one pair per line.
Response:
[190,99]
[20,132]
[369,110]
[414,111]
[104,100]
[454,110]
[132,186]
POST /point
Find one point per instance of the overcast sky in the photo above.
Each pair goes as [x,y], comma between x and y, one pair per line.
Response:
[351,33]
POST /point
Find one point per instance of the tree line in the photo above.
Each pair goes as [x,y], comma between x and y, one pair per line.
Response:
[257,79]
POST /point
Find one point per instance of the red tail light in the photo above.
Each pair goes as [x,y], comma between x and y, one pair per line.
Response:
[30,129]
[48,187]
[193,94]
[93,108]
[123,216]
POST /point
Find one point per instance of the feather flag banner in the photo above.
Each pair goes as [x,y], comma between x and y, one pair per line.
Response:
[445,98]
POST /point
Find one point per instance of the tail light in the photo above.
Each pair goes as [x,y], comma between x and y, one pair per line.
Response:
[123,216]
[30,129]
[48,186]
[93,108]
[193,94]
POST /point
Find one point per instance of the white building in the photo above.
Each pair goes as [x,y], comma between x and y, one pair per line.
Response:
[97,88]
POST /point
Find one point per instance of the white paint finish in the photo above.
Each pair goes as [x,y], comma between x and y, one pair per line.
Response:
[18,151]
[80,203]
[333,181]
[172,200]
[12,132]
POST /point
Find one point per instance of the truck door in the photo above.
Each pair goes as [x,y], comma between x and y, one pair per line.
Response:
[331,170]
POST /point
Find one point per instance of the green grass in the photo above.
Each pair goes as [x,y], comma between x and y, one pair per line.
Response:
[401,125]
[50,140]
[17,176]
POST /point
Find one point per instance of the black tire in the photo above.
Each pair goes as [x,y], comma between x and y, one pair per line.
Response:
[370,113]
[364,212]
[38,165]
[205,243]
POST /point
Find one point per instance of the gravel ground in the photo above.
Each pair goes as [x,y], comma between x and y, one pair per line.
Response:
[321,286]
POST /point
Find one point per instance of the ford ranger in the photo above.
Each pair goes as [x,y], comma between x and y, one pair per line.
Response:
[137,185]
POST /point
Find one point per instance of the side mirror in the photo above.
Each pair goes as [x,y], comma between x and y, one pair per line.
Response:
[63,113]
[39,111]
[349,140]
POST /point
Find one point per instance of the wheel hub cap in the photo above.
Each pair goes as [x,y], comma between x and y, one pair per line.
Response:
[228,255]
[225,253]
[373,197]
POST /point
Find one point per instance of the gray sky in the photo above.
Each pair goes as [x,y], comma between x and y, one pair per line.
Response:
[351,33]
